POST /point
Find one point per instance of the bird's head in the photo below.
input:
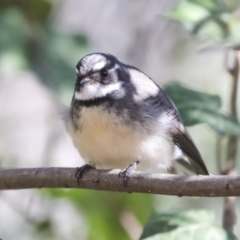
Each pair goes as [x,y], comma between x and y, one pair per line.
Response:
[98,77]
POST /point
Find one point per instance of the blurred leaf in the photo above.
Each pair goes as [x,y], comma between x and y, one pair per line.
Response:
[27,44]
[182,95]
[34,10]
[44,226]
[197,107]
[185,225]
[219,122]
[13,40]
[209,20]
[233,5]
[103,210]
[57,56]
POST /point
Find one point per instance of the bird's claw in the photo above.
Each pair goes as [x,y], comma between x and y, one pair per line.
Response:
[81,170]
[126,172]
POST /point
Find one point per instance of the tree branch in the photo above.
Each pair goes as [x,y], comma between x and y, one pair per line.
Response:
[232,66]
[168,184]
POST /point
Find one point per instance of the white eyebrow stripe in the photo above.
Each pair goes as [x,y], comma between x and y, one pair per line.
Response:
[99,65]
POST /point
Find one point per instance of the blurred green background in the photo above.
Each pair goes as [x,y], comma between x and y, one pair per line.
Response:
[40,44]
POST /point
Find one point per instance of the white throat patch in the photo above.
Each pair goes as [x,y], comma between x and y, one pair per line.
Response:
[97,90]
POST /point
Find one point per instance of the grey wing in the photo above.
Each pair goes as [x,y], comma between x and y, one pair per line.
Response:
[183,140]
[179,133]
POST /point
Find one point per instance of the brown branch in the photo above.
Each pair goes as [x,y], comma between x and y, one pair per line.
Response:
[155,183]
[229,215]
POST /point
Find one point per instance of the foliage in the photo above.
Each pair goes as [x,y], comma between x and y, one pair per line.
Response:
[30,43]
[211,19]
[198,107]
[189,224]
[103,210]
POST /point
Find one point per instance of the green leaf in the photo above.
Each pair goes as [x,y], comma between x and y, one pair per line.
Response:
[209,20]
[190,224]
[182,95]
[13,39]
[103,210]
[197,107]
[219,122]
[43,7]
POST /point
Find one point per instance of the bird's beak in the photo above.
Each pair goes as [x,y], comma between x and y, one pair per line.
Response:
[84,80]
[81,82]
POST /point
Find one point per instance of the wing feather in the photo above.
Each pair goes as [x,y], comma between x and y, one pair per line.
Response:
[180,134]
[183,140]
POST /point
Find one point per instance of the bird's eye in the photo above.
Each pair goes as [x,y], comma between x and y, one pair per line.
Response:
[104,73]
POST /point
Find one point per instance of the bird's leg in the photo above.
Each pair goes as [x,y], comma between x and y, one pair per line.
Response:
[126,172]
[81,170]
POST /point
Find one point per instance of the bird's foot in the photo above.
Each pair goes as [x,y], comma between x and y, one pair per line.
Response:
[126,172]
[81,170]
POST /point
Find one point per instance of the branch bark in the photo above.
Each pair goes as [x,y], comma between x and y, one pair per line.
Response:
[155,183]
[229,215]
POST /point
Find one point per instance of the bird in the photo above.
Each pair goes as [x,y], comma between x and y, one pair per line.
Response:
[120,118]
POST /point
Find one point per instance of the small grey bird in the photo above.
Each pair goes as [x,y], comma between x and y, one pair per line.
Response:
[120,118]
